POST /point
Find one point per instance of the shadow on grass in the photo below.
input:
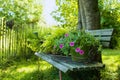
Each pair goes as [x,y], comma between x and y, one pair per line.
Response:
[35,75]
[48,74]
[111,52]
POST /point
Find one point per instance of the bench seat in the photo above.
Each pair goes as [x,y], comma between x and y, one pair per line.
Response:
[65,64]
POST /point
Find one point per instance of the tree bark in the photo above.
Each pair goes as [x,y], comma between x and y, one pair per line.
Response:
[89,14]
[79,17]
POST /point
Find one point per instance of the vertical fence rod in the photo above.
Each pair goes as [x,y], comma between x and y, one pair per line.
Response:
[0,39]
[4,42]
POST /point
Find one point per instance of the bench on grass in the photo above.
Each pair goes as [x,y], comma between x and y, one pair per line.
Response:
[65,64]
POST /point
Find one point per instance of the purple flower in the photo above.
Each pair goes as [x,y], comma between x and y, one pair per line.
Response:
[71,43]
[81,52]
[77,49]
[61,46]
[66,35]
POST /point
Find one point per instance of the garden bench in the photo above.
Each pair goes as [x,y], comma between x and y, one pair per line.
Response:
[65,64]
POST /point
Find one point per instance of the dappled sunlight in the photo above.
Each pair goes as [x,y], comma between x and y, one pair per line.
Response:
[26,69]
[30,68]
[44,65]
[111,62]
[45,68]
[111,58]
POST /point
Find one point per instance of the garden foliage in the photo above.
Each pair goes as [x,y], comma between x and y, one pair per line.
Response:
[109,12]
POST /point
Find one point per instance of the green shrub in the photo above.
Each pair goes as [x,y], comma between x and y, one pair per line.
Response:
[35,37]
[48,43]
[115,43]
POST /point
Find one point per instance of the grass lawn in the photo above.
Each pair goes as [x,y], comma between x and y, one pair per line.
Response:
[111,58]
[28,70]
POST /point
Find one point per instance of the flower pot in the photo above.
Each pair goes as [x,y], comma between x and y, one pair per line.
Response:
[79,58]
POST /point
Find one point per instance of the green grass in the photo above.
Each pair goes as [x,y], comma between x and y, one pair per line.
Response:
[29,70]
[111,58]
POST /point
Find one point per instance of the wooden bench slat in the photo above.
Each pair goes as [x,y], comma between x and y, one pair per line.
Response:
[66,64]
[104,35]
[103,39]
[62,62]
[105,44]
[100,32]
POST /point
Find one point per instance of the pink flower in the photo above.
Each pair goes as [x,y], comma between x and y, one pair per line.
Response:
[71,43]
[81,52]
[61,46]
[66,35]
[77,49]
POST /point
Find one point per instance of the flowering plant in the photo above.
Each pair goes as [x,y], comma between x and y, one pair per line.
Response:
[75,42]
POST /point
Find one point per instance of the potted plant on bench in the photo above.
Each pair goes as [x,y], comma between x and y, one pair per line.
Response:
[79,45]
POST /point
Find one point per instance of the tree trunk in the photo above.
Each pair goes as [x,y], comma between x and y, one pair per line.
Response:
[79,16]
[89,14]
[88,18]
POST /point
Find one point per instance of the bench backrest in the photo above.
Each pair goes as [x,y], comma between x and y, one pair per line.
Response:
[104,35]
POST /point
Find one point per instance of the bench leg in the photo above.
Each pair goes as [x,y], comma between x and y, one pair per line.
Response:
[60,75]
